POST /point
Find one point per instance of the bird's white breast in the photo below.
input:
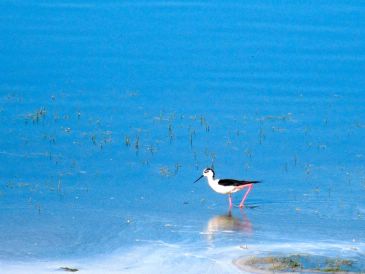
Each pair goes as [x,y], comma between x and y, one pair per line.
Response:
[213,183]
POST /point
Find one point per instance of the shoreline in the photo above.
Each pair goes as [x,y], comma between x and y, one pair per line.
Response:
[167,258]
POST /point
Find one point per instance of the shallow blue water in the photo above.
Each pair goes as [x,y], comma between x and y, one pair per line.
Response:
[109,111]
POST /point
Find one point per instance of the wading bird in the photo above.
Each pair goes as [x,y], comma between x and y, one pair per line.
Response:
[227,186]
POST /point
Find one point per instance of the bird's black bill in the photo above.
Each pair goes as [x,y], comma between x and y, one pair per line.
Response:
[198,179]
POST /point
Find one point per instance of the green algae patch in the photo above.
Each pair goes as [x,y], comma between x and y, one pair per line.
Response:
[299,263]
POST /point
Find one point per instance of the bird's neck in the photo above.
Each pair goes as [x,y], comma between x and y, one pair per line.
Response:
[212,181]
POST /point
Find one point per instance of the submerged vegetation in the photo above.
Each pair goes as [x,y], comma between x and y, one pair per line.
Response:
[69,269]
[244,136]
[303,263]
[36,116]
[60,160]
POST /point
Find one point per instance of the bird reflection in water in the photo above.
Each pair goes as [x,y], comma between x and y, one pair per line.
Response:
[227,223]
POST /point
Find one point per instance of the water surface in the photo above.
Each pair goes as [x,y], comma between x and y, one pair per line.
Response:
[109,111]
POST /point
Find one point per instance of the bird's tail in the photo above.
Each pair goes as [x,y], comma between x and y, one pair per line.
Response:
[251,182]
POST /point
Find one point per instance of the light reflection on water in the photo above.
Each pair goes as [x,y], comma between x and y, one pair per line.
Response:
[227,223]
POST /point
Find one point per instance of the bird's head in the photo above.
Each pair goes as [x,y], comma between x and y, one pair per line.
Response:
[208,172]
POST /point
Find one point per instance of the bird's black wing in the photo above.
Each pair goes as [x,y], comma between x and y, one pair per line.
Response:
[231,182]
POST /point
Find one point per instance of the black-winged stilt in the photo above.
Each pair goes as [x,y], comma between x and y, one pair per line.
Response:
[227,186]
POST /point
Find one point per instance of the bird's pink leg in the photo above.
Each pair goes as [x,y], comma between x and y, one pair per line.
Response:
[230,200]
[246,194]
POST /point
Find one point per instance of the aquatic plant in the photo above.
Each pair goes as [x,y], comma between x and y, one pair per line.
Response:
[177,168]
[165,171]
[36,116]
[136,143]
[127,141]
[68,269]
[305,263]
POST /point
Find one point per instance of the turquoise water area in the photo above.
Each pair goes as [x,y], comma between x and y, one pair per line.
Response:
[110,110]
